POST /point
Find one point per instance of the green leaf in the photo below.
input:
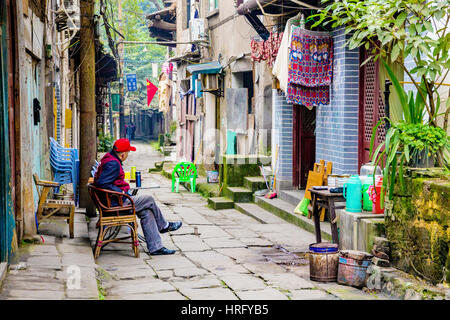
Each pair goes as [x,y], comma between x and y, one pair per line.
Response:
[399,89]
[412,30]
[406,149]
[401,18]
[372,139]
[395,52]
[392,178]
[428,26]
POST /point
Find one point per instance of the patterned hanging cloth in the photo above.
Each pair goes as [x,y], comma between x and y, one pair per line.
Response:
[310,68]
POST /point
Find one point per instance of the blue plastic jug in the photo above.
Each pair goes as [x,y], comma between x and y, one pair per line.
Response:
[353,194]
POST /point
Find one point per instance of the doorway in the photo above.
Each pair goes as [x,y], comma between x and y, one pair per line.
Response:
[304,146]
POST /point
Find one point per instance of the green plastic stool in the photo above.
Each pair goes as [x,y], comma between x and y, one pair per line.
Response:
[184,172]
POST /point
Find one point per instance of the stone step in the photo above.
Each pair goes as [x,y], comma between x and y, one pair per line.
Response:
[219,203]
[292,196]
[239,194]
[255,211]
[285,211]
[255,183]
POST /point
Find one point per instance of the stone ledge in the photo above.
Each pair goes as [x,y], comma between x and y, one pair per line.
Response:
[400,285]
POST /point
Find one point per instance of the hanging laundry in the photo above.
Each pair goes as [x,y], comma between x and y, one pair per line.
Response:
[165,91]
[167,67]
[266,50]
[155,70]
[310,68]
[281,65]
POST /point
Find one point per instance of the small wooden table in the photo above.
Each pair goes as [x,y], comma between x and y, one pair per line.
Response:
[325,199]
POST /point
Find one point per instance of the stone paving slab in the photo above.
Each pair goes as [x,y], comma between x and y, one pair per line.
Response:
[345,292]
[51,262]
[310,295]
[256,242]
[131,272]
[120,258]
[189,272]
[210,258]
[240,232]
[209,294]
[243,282]
[204,281]
[241,255]
[265,294]
[190,243]
[126,287]
[169,262]
[18,294]
[45,250]
[264,267]
[171,295]
[190,216]
[209,231]
[227,270]
[26,284]
[164,274]
[216,243]
[286,281]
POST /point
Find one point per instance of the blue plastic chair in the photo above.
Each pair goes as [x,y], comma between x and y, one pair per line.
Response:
[65,166]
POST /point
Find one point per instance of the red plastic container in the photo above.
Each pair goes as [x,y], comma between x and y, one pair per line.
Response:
[378,204]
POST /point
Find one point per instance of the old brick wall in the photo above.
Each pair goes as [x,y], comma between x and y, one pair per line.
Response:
[418,226]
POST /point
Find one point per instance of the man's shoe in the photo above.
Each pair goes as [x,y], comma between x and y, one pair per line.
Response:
[172,227]
[162,251]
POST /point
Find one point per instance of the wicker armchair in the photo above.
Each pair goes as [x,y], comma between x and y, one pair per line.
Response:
[112,217]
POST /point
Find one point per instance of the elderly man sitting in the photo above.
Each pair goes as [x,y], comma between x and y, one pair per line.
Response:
[110,175]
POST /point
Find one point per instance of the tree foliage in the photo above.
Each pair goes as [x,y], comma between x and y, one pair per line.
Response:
[398,29]
[138,58]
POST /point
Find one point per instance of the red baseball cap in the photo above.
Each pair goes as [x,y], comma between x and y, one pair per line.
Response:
[123,145]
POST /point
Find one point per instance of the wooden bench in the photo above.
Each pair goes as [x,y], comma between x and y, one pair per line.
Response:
[50,209]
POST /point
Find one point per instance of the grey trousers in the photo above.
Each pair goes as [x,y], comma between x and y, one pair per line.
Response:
[152,220]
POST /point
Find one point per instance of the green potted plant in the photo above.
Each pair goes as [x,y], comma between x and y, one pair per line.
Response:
[409,142]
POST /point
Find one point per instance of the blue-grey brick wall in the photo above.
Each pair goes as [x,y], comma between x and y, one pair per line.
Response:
[337,123]
[282,136]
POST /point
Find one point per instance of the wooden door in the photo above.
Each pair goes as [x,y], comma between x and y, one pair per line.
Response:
[371,107]
[304,146]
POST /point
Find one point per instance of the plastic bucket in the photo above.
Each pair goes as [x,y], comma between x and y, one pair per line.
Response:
[323,261]
[352,270]
[212,176]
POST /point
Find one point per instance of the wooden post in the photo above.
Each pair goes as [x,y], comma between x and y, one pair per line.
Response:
[88,141]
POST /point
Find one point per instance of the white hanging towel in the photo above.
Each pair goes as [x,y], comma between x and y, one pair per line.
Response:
[281,66]
[155,70]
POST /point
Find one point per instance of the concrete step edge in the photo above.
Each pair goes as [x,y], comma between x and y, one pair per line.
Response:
[291,217]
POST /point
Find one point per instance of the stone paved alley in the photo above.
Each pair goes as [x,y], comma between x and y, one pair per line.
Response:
[220,255]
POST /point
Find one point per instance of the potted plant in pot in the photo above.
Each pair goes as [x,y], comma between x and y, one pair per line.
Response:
[410,142]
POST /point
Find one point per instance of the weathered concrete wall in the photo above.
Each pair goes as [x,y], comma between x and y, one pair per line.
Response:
[222,22]
[235,168]
[418,225]
[358,230]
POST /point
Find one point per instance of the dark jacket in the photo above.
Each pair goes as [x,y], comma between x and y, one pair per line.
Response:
[110,174]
